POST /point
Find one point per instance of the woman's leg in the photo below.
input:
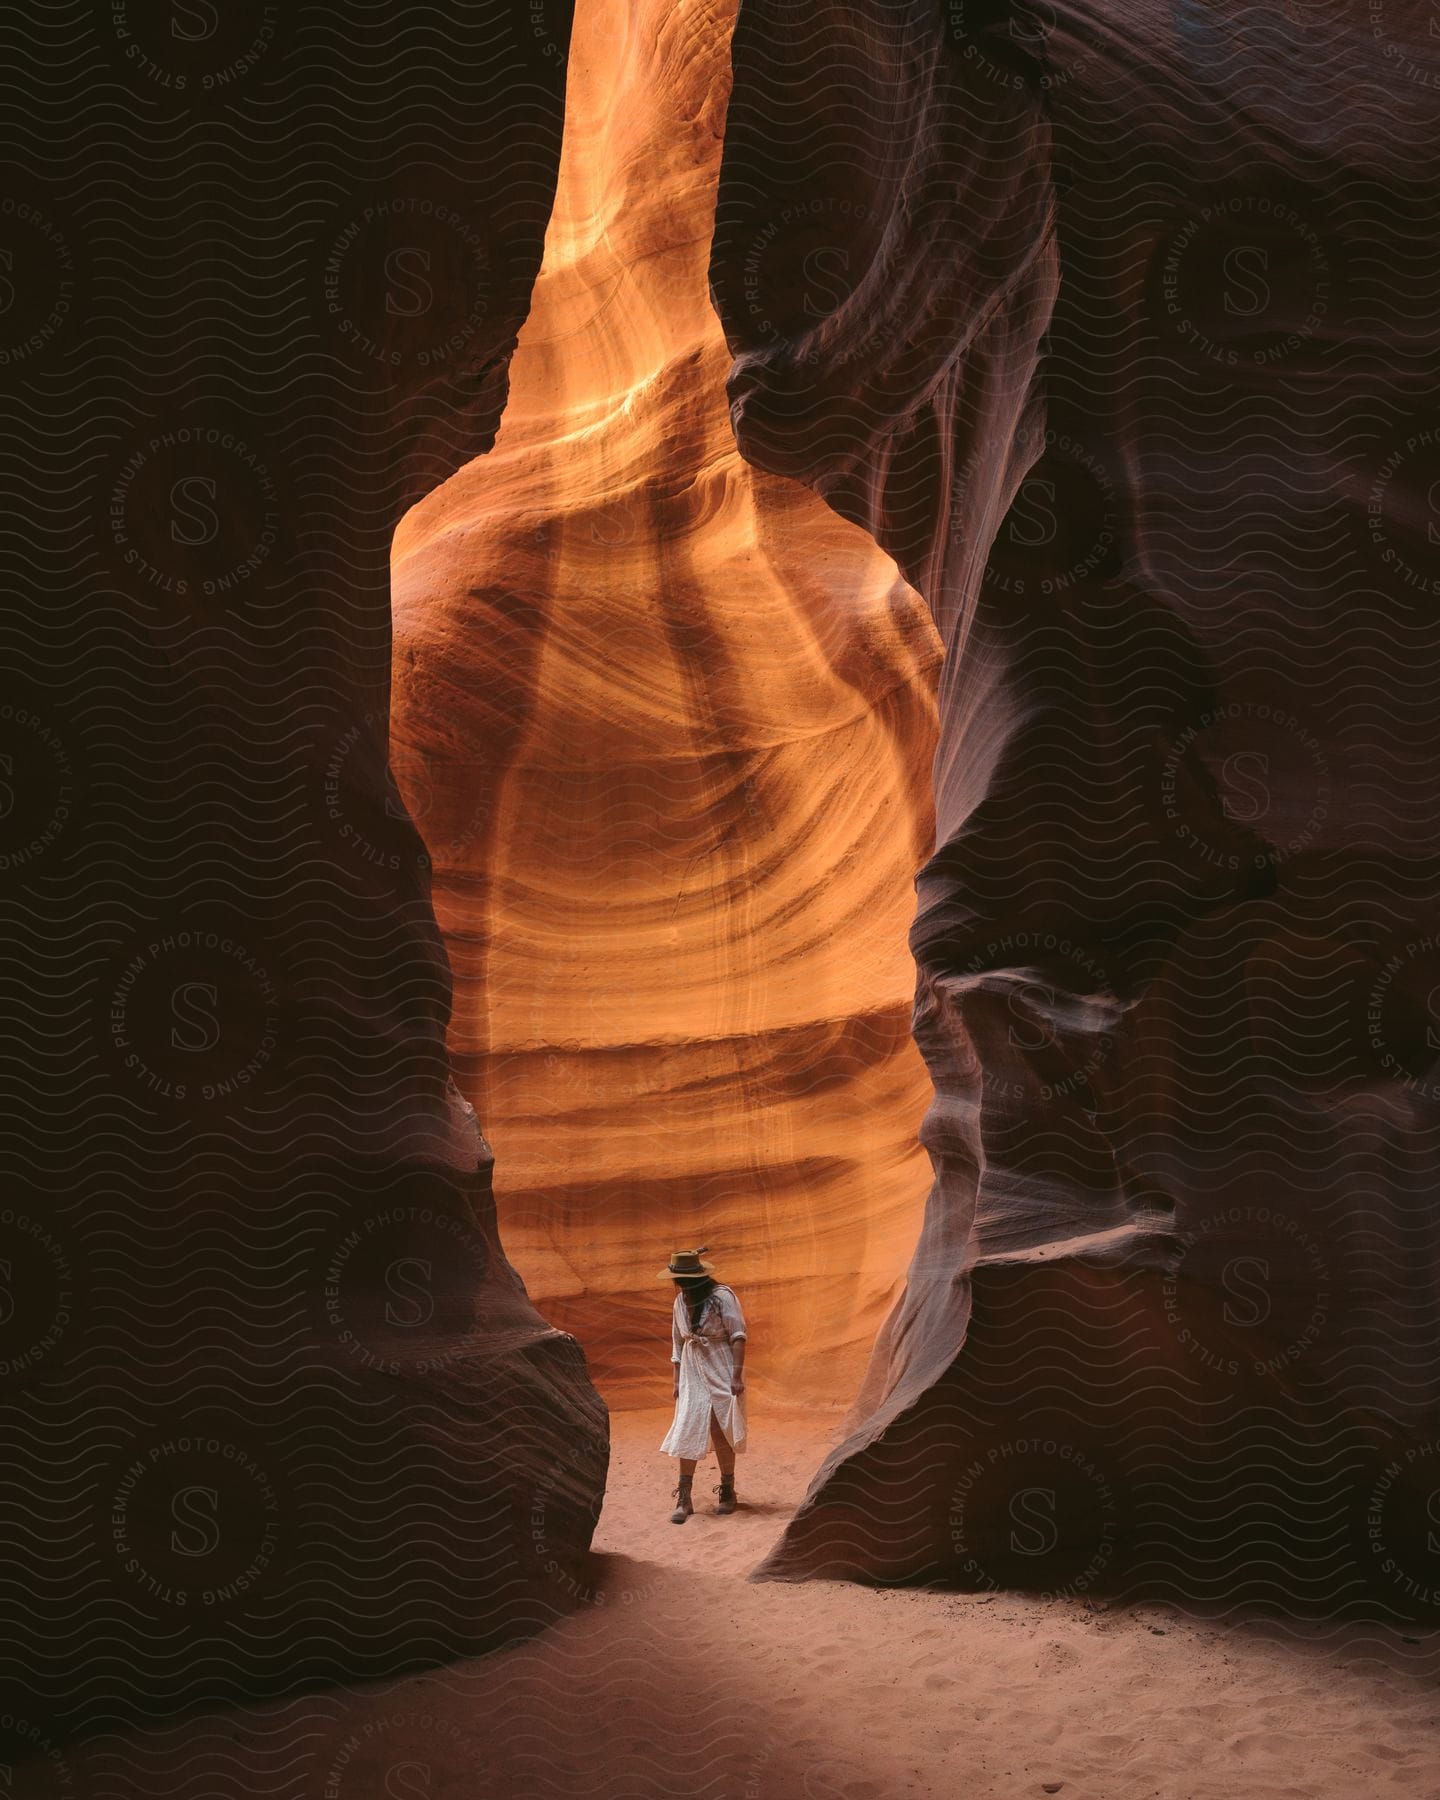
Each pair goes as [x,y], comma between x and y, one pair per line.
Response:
[725,1456]
[684,1506]
[723,1448]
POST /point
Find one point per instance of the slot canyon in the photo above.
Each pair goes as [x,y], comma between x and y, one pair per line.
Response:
[621,654]
[809,630]
[666,725]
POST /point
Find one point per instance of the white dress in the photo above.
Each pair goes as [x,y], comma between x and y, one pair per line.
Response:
[707,1367]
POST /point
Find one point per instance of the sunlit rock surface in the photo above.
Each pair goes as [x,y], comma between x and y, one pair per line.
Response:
[665,723]
[1124,363]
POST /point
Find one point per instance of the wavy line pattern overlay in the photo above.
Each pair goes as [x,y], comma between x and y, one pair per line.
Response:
[981,449]
[275,1407]
[1131,375]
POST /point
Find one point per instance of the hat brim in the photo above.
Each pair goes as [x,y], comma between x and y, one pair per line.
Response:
[674,1274]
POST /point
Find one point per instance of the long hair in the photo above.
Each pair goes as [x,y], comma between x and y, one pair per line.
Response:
[696,1293]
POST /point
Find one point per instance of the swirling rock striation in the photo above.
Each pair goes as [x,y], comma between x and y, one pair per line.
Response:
[1124,362]
[275,1408]
[665,722]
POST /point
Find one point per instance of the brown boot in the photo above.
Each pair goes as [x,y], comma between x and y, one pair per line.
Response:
[683,1504]
[726,1491]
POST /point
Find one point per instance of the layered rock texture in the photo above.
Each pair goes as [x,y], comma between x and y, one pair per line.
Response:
[1126,366]
[275,1408]
[665,722]
[1113,330]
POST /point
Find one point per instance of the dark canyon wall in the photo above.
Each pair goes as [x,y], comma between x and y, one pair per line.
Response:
[275,1406]
[1113,326]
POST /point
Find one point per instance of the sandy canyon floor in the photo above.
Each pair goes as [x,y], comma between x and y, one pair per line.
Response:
[680,1678]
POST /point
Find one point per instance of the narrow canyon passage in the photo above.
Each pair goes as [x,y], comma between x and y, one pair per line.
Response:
[898,542]
[666,726]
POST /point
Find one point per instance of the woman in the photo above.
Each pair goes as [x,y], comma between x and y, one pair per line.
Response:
[708,1352]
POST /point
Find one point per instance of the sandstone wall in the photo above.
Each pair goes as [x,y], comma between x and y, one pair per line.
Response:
[1126,371]
[276,1409]
[666,723]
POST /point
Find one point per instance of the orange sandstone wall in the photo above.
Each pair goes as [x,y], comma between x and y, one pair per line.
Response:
[665,723]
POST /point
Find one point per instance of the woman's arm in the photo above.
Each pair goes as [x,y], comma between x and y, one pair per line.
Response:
[735,1330]
[675,1353]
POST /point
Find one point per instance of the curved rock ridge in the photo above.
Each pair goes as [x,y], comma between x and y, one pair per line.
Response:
[666,722]
[1124,364]
[275,1410]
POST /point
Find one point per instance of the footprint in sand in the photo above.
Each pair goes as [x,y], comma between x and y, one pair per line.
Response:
[1056,1656]
[836,1780]
[828,1659]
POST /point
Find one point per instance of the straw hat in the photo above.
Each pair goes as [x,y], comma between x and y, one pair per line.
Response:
[687,1262]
